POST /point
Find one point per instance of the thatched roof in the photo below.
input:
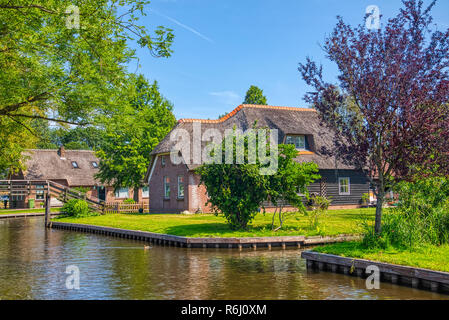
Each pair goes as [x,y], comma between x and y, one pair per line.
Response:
[288,120]
[52,165]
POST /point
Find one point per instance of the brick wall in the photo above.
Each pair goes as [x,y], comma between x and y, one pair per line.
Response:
[158,203]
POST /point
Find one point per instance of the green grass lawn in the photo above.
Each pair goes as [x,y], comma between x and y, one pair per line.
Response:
[335,222]
[12,211]
[427,257]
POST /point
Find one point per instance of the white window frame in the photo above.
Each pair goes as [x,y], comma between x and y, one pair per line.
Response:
[340,185]
[293,137]
[166,187]
[40,192]
[145,194]
[179,189]
[121,193]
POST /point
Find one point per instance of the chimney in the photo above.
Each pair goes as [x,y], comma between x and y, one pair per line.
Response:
[61,152]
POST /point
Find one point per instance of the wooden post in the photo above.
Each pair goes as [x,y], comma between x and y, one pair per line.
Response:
[47,209]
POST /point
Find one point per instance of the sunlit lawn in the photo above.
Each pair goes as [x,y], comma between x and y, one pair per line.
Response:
[208,225]
[427,257]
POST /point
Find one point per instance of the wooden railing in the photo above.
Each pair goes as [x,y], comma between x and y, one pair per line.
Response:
[23,188]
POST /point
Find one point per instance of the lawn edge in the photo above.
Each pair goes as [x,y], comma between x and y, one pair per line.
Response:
[421,278]
[213,242]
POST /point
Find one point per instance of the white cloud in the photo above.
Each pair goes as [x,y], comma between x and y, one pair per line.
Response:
[228,97]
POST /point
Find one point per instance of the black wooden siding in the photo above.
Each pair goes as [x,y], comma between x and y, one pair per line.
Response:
[359,185]
[328,186]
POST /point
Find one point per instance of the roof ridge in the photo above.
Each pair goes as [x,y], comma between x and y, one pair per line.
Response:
[233,112]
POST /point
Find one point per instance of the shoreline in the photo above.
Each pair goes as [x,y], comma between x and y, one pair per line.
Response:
[418,278]
[217,243]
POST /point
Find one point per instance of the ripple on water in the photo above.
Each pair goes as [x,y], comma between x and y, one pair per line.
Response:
[33,262]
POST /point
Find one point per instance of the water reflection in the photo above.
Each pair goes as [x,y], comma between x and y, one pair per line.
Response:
[33,261]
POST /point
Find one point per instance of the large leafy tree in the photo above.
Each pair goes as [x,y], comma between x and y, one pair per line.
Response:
[131,135]
[12,139]
[235,188]
[254,95]
[389,108]
[79,138]
[66,60]
[239,190]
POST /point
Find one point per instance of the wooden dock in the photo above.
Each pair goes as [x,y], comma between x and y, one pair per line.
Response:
[218,243]
[436,281]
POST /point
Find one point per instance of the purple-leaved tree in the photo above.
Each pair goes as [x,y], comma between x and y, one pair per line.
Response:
[389,108]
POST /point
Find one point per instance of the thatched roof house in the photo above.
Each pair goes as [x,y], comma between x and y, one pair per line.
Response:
[302,124]
[76,168]
[72,168]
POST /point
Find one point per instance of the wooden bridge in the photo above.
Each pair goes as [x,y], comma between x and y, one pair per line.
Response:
[49,189]
[25,188]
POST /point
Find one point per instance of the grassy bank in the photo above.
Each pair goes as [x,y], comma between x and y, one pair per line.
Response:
[16,211]
[427,257]
[335,222]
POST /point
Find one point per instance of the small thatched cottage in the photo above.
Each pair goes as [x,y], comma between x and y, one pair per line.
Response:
[176,188]
[72,168]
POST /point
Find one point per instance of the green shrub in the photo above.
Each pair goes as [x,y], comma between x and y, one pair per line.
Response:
[82,189]
[365,199]
[421,217]
[318,207]
[77,208]
[129,201]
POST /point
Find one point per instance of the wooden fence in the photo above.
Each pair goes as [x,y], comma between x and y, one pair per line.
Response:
[19,189]
[119,207]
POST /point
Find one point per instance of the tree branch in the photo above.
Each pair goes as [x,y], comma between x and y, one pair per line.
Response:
[31,6]
[48,119]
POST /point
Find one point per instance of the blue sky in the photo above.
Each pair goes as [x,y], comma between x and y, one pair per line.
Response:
[223,47]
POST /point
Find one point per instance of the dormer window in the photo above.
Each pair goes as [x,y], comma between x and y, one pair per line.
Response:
[94,164]
[299,141]
[163,161]
[75,165]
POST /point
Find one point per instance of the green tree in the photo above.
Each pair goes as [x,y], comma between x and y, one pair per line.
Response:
[235,190]
[80,138]
[238,190]
[13,139]
[289,182]
[45,134]
[131,136]
[254,95]
[56,69]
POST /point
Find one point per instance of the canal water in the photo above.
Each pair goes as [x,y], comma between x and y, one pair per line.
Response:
[34,261]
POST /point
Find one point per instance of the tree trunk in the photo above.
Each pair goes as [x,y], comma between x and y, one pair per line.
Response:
[379,205]
[272,220]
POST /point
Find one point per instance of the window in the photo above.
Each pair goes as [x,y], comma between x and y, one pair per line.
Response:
[75,164]
[145,192]
[180,187]
[94,164]
[166,187]
[40,192]
[121,193]
[344,186]
[163,161]
[298,141]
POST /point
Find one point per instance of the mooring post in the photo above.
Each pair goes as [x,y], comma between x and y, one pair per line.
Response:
[47,209]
